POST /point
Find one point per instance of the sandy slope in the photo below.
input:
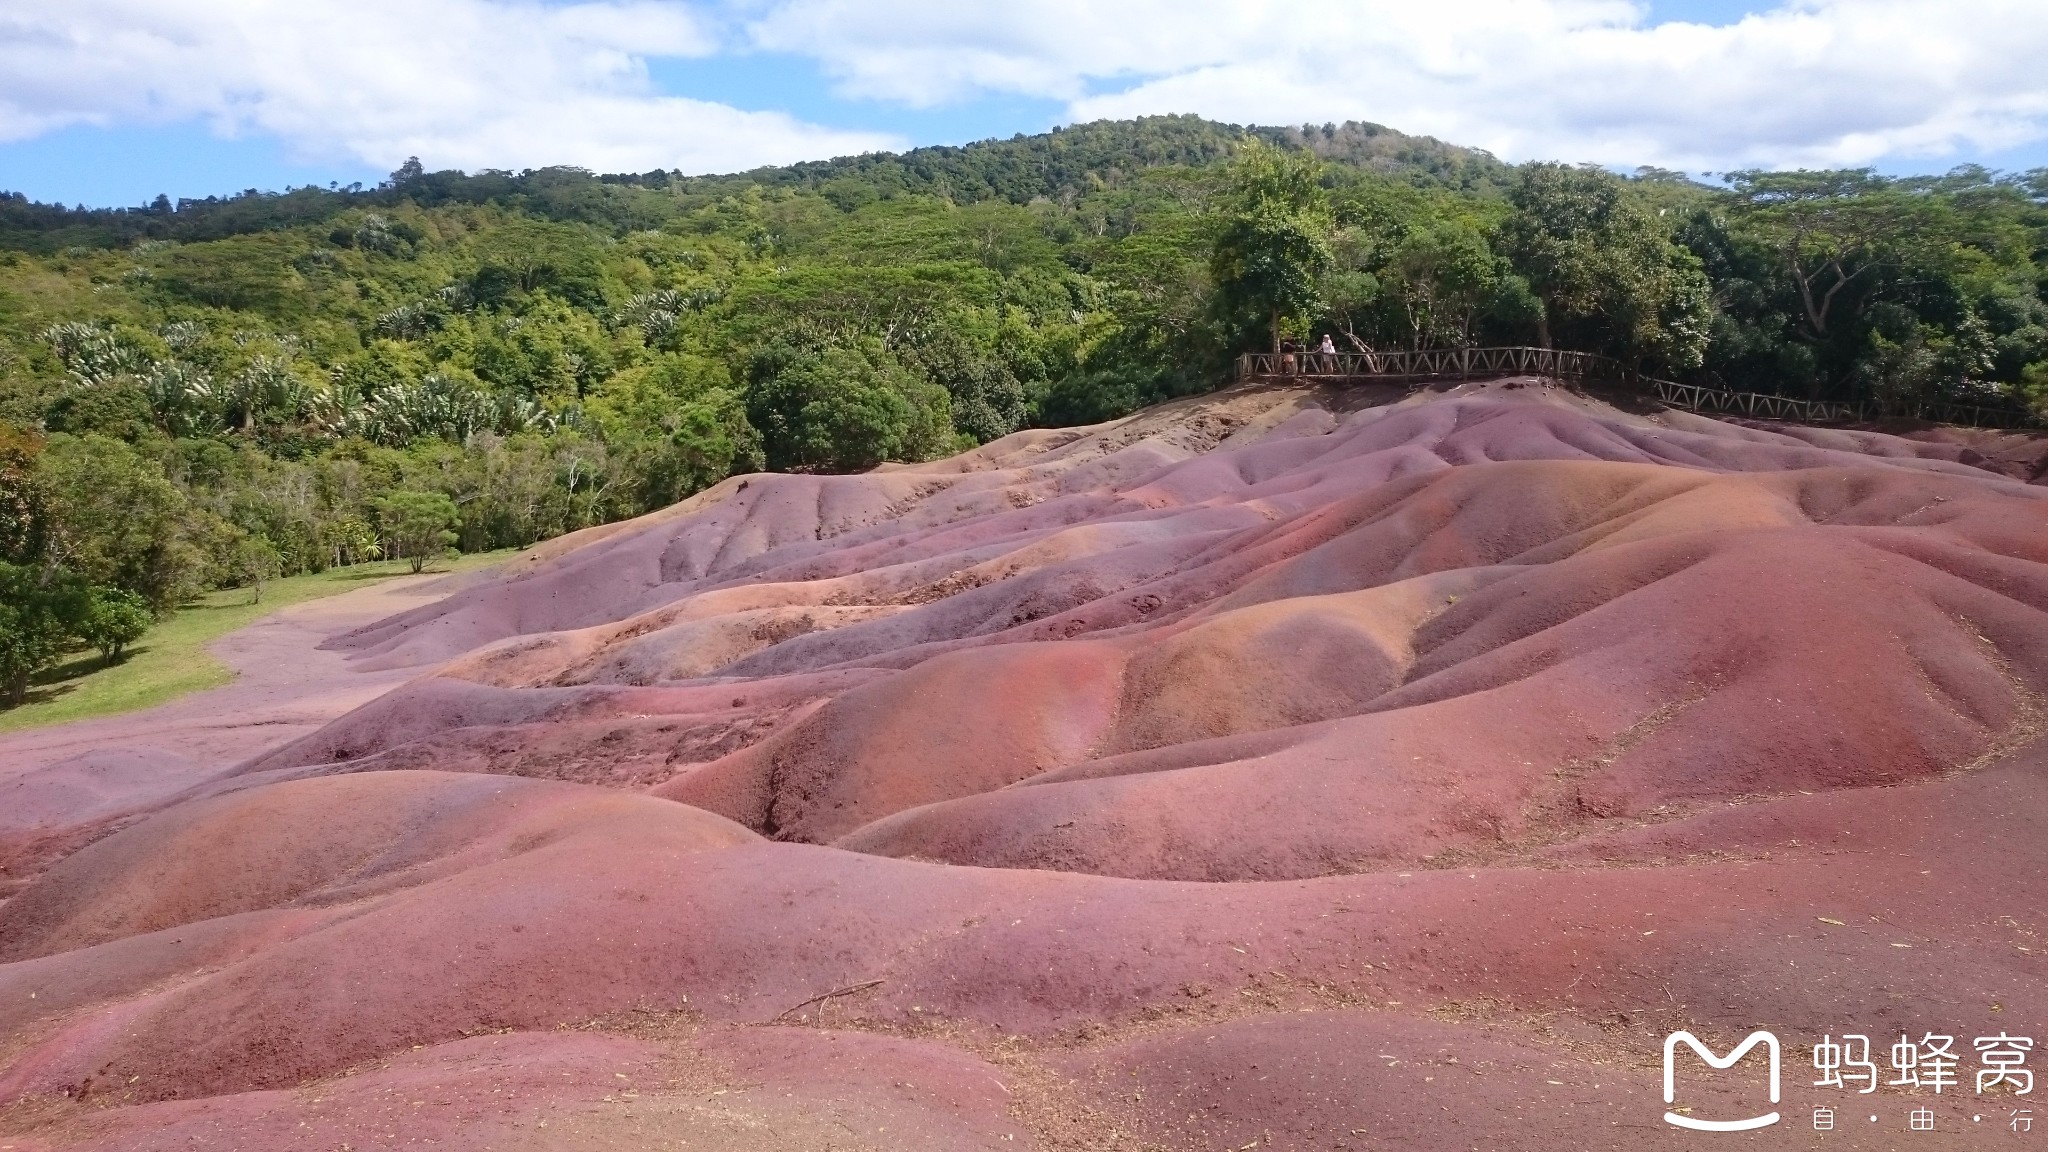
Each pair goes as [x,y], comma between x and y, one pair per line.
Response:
[1279,769]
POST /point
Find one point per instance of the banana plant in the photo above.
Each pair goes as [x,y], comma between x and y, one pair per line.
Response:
[181,397]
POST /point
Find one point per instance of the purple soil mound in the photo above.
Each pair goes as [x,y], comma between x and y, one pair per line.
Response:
[1259,771]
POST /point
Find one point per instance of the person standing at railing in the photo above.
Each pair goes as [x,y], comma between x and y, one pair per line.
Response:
[1287,361]
[1326,356]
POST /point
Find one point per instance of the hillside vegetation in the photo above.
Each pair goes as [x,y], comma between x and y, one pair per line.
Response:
[216,392]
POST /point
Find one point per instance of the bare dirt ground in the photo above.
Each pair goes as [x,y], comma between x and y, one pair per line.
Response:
[1280,769]
[286,686]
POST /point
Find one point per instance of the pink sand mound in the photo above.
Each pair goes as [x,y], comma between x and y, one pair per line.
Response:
[1276,769]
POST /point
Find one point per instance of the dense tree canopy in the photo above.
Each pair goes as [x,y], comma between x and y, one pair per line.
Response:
[1273,246]
[211,392]
[1607,275]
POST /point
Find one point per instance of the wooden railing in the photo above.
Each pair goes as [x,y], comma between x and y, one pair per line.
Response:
[1696,398]
[1488,363]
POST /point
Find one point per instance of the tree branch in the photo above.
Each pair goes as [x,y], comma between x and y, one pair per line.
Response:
[849,990]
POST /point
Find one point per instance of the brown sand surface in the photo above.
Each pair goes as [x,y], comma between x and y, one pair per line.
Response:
[1278,769]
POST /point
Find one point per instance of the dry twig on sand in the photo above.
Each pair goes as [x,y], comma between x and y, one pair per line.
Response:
[849,990]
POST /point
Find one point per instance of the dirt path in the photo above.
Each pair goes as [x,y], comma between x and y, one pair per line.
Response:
[285,686]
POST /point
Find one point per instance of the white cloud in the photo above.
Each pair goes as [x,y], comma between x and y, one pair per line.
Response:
[1812,82]
[461,83]
[517,83]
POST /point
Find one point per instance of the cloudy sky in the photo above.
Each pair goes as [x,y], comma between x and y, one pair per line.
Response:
[113,101]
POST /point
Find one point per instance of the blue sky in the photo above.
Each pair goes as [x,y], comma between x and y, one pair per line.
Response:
[617,84]
[1702,11]
[122,166]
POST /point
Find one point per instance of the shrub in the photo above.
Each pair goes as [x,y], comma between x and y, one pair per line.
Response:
[112,620]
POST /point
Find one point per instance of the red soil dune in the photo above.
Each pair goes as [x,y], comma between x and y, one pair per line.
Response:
[1279,769]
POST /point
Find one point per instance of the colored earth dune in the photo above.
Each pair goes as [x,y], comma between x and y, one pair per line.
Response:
[1278,769]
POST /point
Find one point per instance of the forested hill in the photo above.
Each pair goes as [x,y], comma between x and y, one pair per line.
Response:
[1066,164]
[1061,165]
[202,394]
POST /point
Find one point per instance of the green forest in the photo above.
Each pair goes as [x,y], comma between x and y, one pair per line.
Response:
[210,393]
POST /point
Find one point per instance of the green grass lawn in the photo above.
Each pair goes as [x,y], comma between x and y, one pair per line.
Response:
[172,659]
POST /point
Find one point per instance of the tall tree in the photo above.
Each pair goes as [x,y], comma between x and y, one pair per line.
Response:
[1441,275]
[1274,246]
[117,521]
[24,502]
[39,609]
[1835,232]
[1608,275]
